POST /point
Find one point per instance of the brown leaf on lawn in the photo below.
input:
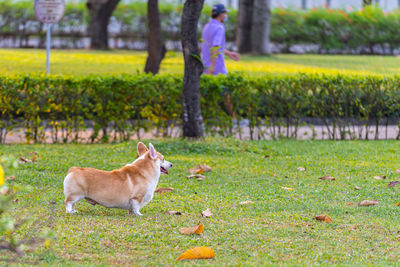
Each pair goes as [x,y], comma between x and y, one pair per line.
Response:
[198,176]
[207,213]
[398,171]
[368,203]
[9,178]
[349,203]
[327,178]
[246,202]
[199,169]
[34,158]
[357,188]
[323,218]
[24,160]
[397,204]
[164,189]
[197,229]
[301,169]
[197,253]
[377,177]
[393,184]
[173,212]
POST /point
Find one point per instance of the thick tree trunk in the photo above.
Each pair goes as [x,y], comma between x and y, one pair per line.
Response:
[261,27]
[245,20]
[155,48]
[100,12]
[191,111]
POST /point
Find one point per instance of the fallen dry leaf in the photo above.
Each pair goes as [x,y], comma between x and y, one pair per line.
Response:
[357,188]
[349,203]
[323,218]
[398,171]
[287,188]
[197,253]
[368,203]
[377,177]
[397,204]
[199,169]
[301,169]
[34,158]
[198,176]
[9,178]
[246,202]
[393,184]
[164,189]
[173,212]
[197,229]
[24,160]
[327,178]
[207,213]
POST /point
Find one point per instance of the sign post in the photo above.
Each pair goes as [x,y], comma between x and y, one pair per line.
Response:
[49,12]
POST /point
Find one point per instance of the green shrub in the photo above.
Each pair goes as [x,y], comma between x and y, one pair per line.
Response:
[118,107]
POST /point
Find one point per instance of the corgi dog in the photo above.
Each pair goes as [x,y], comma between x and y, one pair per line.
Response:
[130,187]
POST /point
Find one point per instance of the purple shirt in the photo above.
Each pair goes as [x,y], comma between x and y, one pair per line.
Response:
[214,36]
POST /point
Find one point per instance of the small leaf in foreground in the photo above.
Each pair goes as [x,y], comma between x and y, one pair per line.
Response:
[207,213]
[198,176]
[197,253]
[398,171]
[368,203]
[287,188]
[357,188]
[323,218]
[164,189]
[397,204]
[9,178]
[173,212]
[197,229]
[377,177]
[301,169]
[327,178]
[393,184]
[199,169]
[246,202]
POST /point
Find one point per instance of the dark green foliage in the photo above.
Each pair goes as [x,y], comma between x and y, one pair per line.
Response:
[118,106]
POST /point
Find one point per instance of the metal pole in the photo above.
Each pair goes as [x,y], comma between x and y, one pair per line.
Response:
[48,42]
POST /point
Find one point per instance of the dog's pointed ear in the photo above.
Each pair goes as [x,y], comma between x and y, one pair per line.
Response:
[141,149]
[153,153]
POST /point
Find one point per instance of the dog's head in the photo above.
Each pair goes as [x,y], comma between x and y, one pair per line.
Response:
[156,157]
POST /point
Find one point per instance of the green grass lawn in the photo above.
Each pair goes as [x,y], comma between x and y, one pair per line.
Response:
[83,62]
[279,228]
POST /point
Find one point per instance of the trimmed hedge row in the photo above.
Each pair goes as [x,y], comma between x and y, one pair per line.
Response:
[118,107]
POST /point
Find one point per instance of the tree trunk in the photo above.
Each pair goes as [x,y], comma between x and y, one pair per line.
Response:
[100,12]
[191,111]
[261,27]
[155,48]
[245,18]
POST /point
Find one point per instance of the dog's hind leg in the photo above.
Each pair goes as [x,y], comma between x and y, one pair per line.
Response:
[134,207]
[69,203]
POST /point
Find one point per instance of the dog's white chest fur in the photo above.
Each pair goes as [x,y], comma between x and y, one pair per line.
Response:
[150,190]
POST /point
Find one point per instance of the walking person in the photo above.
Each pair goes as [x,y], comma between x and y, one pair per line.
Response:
[213,48]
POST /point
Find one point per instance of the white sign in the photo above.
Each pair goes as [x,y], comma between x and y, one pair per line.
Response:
[49,11]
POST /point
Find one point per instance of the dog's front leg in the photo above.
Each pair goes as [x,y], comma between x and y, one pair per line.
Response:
[134,207]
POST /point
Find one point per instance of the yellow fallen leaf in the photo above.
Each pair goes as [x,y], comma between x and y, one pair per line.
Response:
[2,181]
[397,204]
[207,213]
[47,244]
[197,253]
[197,229]
[368,203]
[34,158]
[324,218]
[287,188]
